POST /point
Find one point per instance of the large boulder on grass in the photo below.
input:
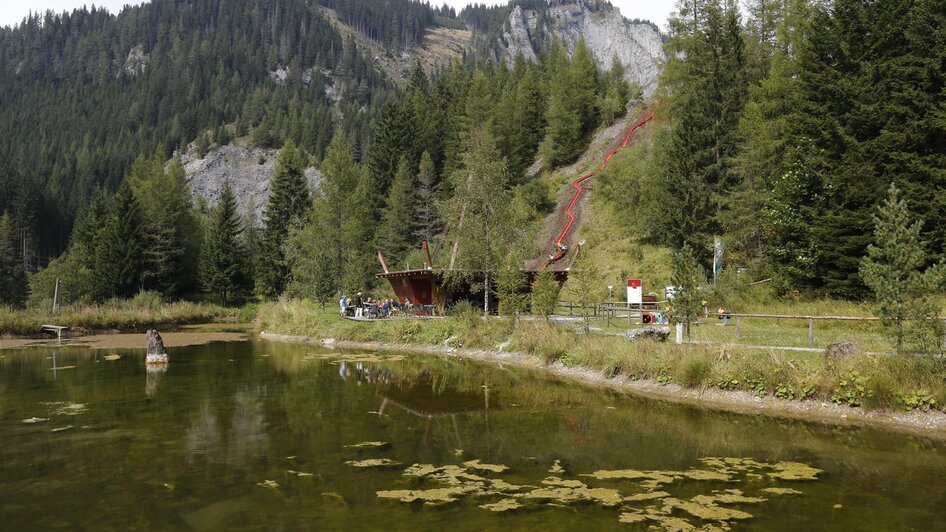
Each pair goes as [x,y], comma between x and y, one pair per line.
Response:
[842,350]
[654,334]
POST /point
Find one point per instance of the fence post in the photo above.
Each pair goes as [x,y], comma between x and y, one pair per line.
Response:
[737,327]
[811,331]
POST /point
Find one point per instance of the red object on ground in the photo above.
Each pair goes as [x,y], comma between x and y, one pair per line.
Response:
[576,184]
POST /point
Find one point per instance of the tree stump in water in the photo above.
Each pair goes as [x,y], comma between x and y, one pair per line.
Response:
[156,352]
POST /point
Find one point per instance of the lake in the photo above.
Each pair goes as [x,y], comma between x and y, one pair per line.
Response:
[258,435]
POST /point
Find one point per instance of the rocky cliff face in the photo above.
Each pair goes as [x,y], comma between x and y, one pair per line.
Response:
[248,170]
[607,33]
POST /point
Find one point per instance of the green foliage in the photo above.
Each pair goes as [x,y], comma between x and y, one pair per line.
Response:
[119,255]
[583,284]
[894,270]
[544,294]
[74,270]
[687,277]
[917,400]
[425,200]
[224,266]
[511,288]
[481,221]
[398,223]
[13,287]
[705,78]
[334,247]
[289,202]
[171,235]
[852,390]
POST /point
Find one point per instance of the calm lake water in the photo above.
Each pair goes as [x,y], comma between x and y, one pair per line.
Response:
[228,436]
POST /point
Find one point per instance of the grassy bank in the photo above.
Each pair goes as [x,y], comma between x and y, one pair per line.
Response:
[131,314]
[865,381]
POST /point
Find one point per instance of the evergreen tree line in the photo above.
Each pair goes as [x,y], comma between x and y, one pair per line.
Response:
[786,130]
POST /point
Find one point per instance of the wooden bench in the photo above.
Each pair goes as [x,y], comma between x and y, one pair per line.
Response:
[53,329]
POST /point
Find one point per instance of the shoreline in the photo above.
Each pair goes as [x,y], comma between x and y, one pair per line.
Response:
[917,423]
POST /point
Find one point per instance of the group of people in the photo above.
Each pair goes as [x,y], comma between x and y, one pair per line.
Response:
[365,307]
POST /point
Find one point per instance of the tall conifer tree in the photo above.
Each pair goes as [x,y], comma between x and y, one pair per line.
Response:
[289,202]
[224,270]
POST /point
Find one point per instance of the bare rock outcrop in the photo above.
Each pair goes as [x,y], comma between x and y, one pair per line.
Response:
[607,33]
[248,170]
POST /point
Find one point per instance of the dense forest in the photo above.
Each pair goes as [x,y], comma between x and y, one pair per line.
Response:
[781,132]
[435,145]
[82,95]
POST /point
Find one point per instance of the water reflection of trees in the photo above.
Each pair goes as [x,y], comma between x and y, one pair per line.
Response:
[246,442]
[204,440]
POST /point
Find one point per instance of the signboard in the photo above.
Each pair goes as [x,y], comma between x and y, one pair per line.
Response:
[635,291]
[670,291]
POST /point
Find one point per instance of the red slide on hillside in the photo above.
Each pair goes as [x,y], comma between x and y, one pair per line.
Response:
[576,184]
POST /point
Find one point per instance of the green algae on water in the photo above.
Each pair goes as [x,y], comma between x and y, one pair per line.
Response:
[781,491]
[374,462]
[368,445]
[795,471]
[557,467]
[476,464]
[503,505]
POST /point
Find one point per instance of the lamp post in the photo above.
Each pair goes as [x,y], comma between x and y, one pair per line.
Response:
[610,303]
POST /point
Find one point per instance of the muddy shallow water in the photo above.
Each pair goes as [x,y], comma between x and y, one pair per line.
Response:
[278,436]
[179,337]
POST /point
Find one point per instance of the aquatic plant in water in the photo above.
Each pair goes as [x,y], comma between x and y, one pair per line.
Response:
[373,462]
[709,511]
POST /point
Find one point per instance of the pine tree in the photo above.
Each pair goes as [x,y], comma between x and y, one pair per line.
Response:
[894,270]
[563,130]
[289,202]
[584,79]
[335,247]
[705,75]
[119,252]
[687,277]
[171,229]
[394,137]
[223,266]
[399,221]
[425,199]
[13,285]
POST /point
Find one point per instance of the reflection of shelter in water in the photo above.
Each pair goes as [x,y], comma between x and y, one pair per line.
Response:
[423,399]
[422,395]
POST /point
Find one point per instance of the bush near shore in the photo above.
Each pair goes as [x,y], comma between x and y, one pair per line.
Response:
[868,381]
[144,310]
